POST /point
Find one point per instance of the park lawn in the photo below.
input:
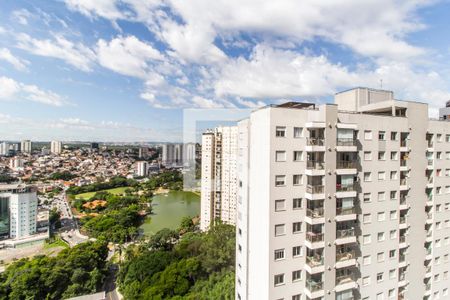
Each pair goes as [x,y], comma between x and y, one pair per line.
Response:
[114,191]
[57,242]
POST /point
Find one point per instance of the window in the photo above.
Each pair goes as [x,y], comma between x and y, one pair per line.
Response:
[367,134]
[382,135]
[280,229]
[297,179]
[380,236]
[367,218]
[393,214]
[439,155]
[392,254]
[280,131]
[297,203]
[279,254]
[393,175]
[367,260]
[393,195]
[280,155]
[436,277]
[367,239]
[391,293]
[367,176]
[447,155]
[279,279]
[447,138]
[392,274]
[381,196]
[366,197]
[298,155]
[297,251]
[393,136]
[296,227]
[298,132]
[439,137]
[296,275]
[437,243]
[381,175]
[367,155]
[380,296]
[381,155]
[394,155]
[380,257]
[381,216]
[280,205]
[366,280]
[280,180]
[380,277]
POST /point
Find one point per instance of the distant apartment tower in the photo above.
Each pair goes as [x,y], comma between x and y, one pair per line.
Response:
[343,201]
[219,176]
[55,147]
[18,211]
[4,148]
[189,152]
[172,154]
[25,146]
[142,168]
[16,164]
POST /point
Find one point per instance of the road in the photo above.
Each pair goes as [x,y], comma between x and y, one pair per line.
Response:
[110,284]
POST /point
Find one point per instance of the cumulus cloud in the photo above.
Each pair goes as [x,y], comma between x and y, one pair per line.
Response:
[12,90]
[75,54]
[18,63]
[127,55]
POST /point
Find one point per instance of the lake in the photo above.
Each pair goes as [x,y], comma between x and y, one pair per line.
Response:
[169,209]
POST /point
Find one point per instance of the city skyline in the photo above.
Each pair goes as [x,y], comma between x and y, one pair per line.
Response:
[120,71]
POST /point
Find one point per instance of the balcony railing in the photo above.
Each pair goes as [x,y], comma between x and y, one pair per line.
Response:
[428,286]
[402,239]
[314,213]
[403,143]
[402,200]
[430,144]
[314,286]
[315,165]
[344,279]
[315,141]
[342,164]
[346,142]
[315,189]
[314,261]
[403,163]
[314,237]
[427,269]
[341,211]
[430,162]
[402,220]
[429,216]
[343,233]
[345,187]
[428,251]
[351,254]
[403,181]
[402,258]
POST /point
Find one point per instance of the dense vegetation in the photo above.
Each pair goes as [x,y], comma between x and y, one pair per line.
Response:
[114,182]
[73,272]
[66,176]
[169,179]
[4,178]
[119,220]
[196,265]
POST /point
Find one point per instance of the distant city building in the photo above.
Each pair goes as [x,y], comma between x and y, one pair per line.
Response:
[18,211]
[55,147]
[25,146]
[45,151]
[4,148]
[8,149]
[143,152]
[172,154]
[16,164]
[219,176]
[94,146]
[189,153]
[142,168]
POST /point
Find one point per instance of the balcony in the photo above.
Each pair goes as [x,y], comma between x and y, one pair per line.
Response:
[342,211]
[315,189]
[346,142]
[345,282]
[315,165]
[403,163]
[314,286]
[315,141]
[402,239]
[342,164]
[345,258]
[345,236]
[345,187]
[315,215]
[314,261]
[403,143]
[402,258]
[314,237]
[403,181]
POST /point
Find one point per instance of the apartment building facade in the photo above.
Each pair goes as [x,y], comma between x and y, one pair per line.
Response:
[343,201]
[219,176]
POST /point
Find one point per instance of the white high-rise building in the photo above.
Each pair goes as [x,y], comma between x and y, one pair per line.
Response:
[343,201]
[4,148]
[142,168]
[16,164]
[219,176]
[18,211]
[25,146]
[55,147]
[172,154]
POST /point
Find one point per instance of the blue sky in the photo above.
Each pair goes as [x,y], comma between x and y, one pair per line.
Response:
[124,70]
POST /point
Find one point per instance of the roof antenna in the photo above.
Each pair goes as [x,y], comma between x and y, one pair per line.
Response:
[381,84]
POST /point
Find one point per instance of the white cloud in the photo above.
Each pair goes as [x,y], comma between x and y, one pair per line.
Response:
[18,63]
[13,90]
[103,8]
[21,16]
[75,54]
[127,55]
